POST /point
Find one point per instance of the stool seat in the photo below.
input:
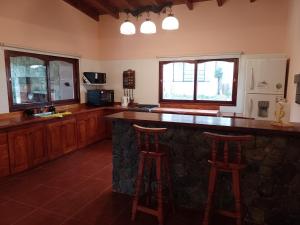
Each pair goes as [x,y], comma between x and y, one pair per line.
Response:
[151,152]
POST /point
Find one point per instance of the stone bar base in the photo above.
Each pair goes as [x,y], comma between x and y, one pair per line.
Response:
[270,184]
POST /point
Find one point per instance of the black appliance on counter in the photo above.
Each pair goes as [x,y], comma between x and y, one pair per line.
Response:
[100,97]
[94,78]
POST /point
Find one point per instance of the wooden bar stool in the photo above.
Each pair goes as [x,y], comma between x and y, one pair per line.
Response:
[225,163]
[149,153]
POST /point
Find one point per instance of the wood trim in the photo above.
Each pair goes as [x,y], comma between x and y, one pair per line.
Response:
[189,4]
[220,2]
[203,102]
[47,59]
[286,78]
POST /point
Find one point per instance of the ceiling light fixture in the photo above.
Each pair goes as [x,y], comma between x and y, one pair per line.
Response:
[148,27]
[127,27]
[170,22]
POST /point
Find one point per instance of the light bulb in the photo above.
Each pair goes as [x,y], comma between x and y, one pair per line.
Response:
[170,23]
[127,28]
[148,27]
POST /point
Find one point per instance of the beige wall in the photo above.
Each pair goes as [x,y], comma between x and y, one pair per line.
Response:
[237,26]
[49,25]
[293,47]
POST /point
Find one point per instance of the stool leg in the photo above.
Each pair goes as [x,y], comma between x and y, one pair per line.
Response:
[237,195]
[159,191]
[149,188]
[211,189]
[170,187]
[138,186]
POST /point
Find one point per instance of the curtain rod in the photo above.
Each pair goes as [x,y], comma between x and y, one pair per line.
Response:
[13,46]
[196,55]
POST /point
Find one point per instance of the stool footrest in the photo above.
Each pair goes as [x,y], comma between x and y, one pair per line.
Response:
[147,210]
[231,214]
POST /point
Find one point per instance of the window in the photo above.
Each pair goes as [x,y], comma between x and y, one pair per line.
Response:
[36,80]
[199,81]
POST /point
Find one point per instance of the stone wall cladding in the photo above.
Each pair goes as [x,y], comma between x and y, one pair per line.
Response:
[270,184]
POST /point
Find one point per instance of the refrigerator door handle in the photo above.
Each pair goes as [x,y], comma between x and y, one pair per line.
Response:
[252,79]
[250,107]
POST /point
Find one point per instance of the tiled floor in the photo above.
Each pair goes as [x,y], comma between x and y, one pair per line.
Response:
[73,190]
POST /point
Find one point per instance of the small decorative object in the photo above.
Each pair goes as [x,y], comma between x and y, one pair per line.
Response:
[129,85]
[279,115]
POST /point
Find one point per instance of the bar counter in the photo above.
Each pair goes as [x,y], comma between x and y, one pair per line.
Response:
[270,184]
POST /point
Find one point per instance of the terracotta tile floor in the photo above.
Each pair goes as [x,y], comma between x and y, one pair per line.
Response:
[74,190]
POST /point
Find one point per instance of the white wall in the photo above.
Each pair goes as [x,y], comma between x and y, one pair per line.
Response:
[4,108]
[146,75]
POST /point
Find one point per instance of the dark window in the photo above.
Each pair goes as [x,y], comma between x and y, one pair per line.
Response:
[37,80]
[199,81]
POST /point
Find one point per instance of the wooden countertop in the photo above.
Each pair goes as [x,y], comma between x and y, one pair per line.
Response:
[209,122]
[10,120]
[199,112]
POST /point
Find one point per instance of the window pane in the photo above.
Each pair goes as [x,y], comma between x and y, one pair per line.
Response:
[61,80]
[178,81]
[215,81]
[28,78]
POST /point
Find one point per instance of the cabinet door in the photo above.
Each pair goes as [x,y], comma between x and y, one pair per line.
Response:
[54,138]
[38,147]
[69,134]
[101,126]
[4,160]
[92,128]
[18,150]
[82,135]
[266,75]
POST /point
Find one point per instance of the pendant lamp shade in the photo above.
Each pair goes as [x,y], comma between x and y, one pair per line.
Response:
[127,28]
[170,23]
[148,27]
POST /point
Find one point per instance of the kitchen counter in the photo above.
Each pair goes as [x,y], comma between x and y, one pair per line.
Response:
[11,120]
[270,183]
[209,122]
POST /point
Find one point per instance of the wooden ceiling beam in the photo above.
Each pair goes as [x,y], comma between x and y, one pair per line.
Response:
[133,4]
[78,4]
[220,2]
[189,4]
[103,5]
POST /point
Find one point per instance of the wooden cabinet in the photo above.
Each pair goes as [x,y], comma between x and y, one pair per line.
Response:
[101,133]
[4,160]
[87,128]
[69,135]
[62,137]
[27,147]
[38,152]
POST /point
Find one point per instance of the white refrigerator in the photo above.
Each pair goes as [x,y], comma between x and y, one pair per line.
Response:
[265,84]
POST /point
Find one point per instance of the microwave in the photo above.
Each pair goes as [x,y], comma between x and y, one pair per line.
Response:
[94,78]
[100,97]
